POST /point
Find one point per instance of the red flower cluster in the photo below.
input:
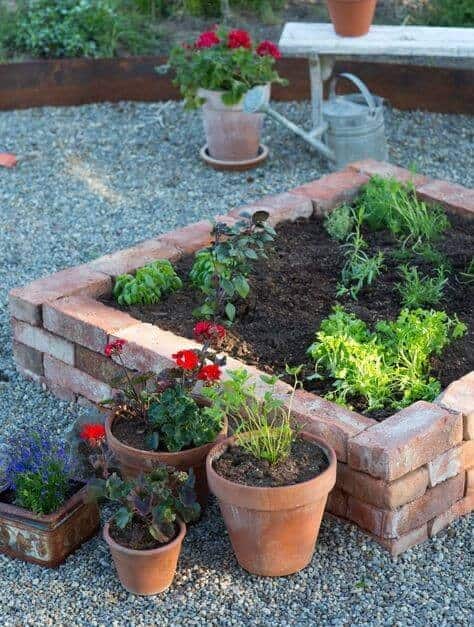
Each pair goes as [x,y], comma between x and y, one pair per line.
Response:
[93,434]
[205,330]
[268,48]
[211,372]
[239,39]
[186,359]
[207,40]
[114,347]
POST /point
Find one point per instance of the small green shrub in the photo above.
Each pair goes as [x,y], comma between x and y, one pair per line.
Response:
[418,291]
[72,28]
[388,367]
[149,285]
[360,270]
[339,223]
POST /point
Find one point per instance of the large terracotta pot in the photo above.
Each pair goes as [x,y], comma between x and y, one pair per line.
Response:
[351,18]
[148,571]
[231,134]
[273,530]
[47,539]
[134,461]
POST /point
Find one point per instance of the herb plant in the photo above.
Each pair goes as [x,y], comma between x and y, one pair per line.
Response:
[149,285]
[388,367]
[359,270]
[339,222]
[223,60]
[418,290]
[154,501]
[38,470]
[468,274]
[221,270]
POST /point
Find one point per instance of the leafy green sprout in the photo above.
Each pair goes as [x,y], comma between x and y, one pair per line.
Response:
[149,285]
[468,274]
[339,222]
[359,270]
[419,290]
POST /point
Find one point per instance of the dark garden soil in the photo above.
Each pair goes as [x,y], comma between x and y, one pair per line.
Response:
[295,289]
[306,461]
[135,536]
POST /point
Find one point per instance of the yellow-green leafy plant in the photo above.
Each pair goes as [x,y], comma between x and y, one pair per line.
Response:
[149,285]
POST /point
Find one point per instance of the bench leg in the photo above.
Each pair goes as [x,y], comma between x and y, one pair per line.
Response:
[320,69]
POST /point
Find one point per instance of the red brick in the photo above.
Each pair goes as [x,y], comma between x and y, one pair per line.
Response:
[128,260]
[467,454]
[468,421]
[190,238]
[444,466]
[332,190]
[281,207]
[150,348]
[451,195]
[383,494]
[337,503]
[98,366]
[43,341]
[28,358]
[459,395]
[405,441]
[404,542]
[470,480]
[84,321]
[60,374]
[395,523]
[26,302]
[370,167]
[327,420]
[460,508]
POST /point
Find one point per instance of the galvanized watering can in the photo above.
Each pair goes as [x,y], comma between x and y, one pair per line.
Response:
[353,126]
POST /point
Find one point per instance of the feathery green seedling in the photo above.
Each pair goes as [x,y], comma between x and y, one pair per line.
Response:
[468,274]
[360,270]
[339,222]
[418,290]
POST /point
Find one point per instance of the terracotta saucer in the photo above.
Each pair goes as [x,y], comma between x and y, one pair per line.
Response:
[218,164]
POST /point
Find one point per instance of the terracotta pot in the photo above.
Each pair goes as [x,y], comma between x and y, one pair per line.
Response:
[273,530]
[351,18]
[231,134]
[134,461]
[149,571]
[48,539]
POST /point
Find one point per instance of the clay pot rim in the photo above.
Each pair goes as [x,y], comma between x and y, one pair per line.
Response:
[137,552]
[160,456]
[328,475]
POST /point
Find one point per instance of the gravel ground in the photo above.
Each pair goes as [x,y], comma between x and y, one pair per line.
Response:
[97,178]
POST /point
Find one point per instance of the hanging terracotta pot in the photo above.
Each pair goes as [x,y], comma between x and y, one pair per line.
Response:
[146,571]
[273,530]
[351,18]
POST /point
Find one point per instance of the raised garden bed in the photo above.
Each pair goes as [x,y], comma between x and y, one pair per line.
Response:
[402,479]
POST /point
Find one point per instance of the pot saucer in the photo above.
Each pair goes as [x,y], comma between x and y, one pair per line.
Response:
[219,164]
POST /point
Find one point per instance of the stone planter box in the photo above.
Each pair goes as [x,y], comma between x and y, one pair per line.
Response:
[402,480]
[47,539]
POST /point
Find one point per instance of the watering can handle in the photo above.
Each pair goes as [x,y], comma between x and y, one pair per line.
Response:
[358,83]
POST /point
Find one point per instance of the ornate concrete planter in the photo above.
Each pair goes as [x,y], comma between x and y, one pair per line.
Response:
[402,480]
[47,540]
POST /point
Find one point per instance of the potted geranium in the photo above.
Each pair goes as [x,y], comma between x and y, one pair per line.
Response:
[160,418]
[147,530]
[44,512]
[272,482]
[216,72]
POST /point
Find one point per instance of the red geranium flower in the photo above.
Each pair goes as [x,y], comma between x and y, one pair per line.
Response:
[212,372]
[268,48]
[93,433]
[205,330]
[114,347]
[207,40]
[239,39]
[187,359]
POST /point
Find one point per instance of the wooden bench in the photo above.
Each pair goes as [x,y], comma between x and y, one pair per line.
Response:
[322,47]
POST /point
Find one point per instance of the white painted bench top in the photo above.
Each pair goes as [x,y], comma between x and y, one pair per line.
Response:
[304,40]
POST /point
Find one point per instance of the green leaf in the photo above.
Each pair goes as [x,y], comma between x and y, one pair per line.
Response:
[122,517]
[230,311]
[242,286]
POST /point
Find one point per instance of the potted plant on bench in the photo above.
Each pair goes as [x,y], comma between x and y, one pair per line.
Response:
[44,513]
[216,72]
[160,418]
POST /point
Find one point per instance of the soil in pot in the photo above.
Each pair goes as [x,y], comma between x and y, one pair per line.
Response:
[306,461]
[135,536]
[295,289]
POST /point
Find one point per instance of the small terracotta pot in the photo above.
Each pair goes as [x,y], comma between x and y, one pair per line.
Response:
[231,134]
[134,461]
[273,530]
[351,18]
[149,571]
